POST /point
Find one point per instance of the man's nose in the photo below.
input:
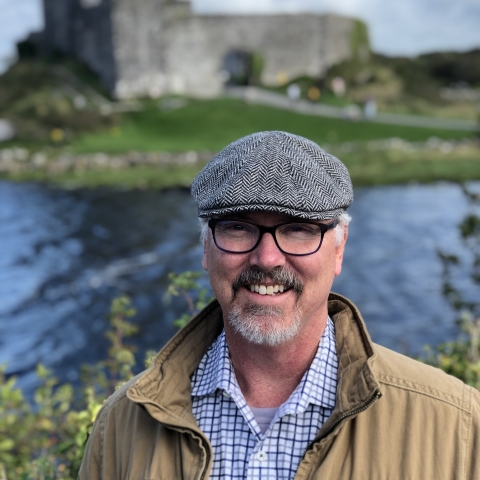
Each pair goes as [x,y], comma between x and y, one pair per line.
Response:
[267,255]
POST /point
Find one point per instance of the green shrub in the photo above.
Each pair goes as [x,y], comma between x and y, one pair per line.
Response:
[45,439]
[461,357]
[186,285]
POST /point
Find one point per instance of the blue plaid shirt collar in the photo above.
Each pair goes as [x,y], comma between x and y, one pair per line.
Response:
[216,372]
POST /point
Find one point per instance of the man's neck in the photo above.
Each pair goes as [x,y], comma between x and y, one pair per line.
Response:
[267,375]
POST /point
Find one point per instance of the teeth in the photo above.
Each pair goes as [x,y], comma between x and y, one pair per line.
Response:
[270,290]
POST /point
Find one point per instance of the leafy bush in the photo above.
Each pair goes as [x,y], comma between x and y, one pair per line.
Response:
[45,439]
[186,285]
[461,357]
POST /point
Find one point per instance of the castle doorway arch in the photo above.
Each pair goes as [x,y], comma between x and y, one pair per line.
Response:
[237,67]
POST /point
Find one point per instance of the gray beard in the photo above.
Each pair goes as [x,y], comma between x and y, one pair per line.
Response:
[269,332]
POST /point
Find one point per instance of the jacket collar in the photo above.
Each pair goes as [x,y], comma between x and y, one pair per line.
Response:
[164,389]
[357,386]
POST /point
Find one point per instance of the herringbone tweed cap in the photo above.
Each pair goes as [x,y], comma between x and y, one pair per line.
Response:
[276,172]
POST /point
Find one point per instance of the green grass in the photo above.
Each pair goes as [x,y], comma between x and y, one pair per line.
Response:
[132,177]
[210,125]
[213,124]
[397,167]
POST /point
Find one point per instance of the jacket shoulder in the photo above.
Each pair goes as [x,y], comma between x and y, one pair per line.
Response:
[118,399]
[398,371]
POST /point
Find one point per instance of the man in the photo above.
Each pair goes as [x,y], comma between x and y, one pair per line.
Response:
[278,378]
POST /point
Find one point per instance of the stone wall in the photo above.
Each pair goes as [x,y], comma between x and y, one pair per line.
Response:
[139,44]
[82,29]
[291,46]
[156,47]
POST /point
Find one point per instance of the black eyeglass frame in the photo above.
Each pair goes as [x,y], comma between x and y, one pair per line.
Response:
[324,228]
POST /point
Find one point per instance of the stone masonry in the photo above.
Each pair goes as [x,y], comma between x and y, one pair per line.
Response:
[158,47]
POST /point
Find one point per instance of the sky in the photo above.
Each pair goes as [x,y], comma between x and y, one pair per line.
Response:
[397,27]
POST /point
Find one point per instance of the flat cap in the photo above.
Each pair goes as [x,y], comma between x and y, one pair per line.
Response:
[276,172]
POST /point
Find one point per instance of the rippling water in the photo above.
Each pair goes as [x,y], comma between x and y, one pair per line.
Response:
[65,254]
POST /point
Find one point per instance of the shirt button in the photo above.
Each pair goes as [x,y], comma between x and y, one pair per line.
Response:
[261,456]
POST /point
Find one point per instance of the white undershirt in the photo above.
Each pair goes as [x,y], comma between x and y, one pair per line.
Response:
[264,416]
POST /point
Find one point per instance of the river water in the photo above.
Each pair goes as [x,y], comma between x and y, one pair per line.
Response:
[65,254]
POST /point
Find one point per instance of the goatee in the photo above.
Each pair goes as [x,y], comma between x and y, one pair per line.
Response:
[263,324]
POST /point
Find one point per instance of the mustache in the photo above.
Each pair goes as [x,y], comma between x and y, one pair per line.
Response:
[256,276]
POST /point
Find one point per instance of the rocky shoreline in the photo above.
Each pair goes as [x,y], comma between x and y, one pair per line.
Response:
[18,160]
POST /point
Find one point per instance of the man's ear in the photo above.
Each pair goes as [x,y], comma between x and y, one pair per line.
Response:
[339,250]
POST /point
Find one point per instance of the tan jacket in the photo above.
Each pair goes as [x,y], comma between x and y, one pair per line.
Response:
[394,418]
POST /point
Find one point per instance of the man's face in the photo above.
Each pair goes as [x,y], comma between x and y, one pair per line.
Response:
[271,319]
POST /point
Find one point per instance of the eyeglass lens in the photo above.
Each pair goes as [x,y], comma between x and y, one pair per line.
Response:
[293,238]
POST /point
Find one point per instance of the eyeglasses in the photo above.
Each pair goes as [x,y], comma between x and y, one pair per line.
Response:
[293,238]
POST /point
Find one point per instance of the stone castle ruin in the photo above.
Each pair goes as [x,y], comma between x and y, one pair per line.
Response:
[158,47]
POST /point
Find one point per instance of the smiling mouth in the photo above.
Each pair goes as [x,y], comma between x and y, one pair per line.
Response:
[267,290]
[267,282]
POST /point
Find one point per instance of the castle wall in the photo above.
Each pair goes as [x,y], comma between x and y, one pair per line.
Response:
[139,46]
[82,29]
[156,47]
[291,46]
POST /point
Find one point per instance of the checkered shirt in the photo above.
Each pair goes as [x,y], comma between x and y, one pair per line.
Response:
[240,450]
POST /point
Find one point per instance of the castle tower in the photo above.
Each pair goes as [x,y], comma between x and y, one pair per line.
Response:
[83,30]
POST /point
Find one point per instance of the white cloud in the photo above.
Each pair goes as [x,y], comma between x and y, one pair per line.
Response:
[17,19]
[405,27]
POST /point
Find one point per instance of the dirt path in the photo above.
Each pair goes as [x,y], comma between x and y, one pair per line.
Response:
[352,112]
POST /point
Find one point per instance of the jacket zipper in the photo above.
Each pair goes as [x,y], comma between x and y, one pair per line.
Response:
[205,445]
[372,400]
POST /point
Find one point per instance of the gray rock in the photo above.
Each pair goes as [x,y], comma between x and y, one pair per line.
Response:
[7,130]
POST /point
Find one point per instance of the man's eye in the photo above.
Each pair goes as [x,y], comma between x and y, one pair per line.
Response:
[234,226]
[301,229]
[297,228]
